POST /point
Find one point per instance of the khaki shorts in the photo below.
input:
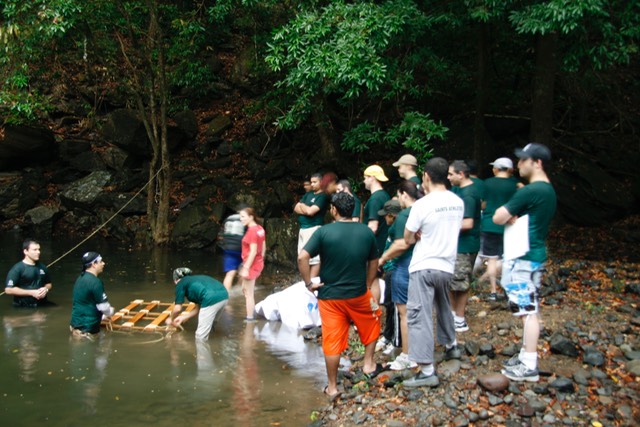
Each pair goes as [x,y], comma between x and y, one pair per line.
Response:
[303,237]
[463,272]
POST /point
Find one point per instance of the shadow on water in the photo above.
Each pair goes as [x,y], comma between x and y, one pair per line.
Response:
[247,374]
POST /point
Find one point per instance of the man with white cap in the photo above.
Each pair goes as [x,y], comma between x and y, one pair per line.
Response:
[407,165]
[498,191]
[521,277]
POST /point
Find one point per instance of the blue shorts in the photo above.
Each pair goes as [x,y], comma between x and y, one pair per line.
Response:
[521,281]
[231,260]
[400,282]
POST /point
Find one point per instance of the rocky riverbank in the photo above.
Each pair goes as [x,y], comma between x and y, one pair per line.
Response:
[589,352]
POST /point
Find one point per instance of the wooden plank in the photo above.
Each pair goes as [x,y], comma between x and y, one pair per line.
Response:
[150,306]
[158,320]
[126,310]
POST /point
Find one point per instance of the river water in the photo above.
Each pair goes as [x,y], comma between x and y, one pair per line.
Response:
[256,374]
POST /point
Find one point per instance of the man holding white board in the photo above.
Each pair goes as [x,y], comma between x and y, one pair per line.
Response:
[521,275]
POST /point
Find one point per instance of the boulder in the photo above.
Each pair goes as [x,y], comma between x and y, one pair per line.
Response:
[562,345]
[15,195]
[40,219]
[124,128]
[282,242]
[84,192]
[116,158]
[218,125]
[22,146]
[187,122]
[194,229]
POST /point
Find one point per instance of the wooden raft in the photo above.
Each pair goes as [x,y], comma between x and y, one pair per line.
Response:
[145,316]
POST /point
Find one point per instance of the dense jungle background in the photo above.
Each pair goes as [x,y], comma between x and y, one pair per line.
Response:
[160,117]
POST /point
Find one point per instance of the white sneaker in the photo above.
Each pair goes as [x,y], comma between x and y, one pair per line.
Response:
[390,348]
[402,362]
[382,343]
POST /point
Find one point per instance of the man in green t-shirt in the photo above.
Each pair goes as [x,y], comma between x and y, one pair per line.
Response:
[28,280]
[90,302]
[468,240]
[345,185]
[497,191]
[349,265]
[209,295]
[407,165]
[311,210]
[521,276]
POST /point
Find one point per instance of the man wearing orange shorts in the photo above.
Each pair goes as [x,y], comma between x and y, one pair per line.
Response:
[349,262]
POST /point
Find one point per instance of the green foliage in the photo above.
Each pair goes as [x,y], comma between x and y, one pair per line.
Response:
[414,133]
[342,50]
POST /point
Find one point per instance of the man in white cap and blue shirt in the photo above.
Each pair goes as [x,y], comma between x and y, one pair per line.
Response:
[498,191]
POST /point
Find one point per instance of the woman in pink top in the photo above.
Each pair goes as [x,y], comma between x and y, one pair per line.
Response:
[253,250]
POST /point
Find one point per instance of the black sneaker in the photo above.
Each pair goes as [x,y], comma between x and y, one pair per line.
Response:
[422,380]
[492,297]
[453,353]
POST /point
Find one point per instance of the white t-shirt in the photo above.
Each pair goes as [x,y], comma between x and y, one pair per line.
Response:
[438,216]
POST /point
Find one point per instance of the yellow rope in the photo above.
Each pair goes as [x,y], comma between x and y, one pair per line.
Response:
[107,221]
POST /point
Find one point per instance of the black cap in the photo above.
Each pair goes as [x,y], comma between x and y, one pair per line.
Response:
[534,151]
[390,207]
[89,258]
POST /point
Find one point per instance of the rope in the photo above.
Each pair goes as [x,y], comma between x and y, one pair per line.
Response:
[107,221]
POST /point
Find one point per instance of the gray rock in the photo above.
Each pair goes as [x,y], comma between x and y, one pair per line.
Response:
[486,349]
[538,405]
[359,417]
[84,192]
[450,403]
[593,357]
[562,345]
[193,229]
[510,350]
[493,382]
[415,395]
[218,125]
[632,355]
[525,410]
[581,377]
[472,348]
[449,367]
[460,421]
[633,367]
[494,400]
[563,385]
[41,219]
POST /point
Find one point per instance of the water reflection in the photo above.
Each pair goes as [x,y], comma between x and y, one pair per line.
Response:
[24,331]
[88,368]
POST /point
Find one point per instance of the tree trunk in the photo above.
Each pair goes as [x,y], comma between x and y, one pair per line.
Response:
[543,88]
[327,147]
[480,136]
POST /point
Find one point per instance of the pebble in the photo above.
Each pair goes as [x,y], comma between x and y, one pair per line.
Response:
[593,357]
[483,414]
[525,410]
[509,350]
[472,348]
[449,368]
[581,377]
[487,349]
[359,417]
[632,355]
[562,345]
[563,385]
[634,367]
[415,395]
[494,400]
[460,421]
[450,403]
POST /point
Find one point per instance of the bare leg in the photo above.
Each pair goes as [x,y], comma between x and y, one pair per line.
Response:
[531,333]
[459,302]
[492,269]
[369,361]
[404,327]
[228,279]
[332,363]
[375,290]
[248,286]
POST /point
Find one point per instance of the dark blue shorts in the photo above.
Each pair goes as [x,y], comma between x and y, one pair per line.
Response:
[231,260]
[400,282]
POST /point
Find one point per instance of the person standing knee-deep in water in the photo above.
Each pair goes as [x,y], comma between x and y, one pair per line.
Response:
[231,244]
[253,251]
[28,280]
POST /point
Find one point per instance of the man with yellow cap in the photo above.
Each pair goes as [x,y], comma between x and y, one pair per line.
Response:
[373,178]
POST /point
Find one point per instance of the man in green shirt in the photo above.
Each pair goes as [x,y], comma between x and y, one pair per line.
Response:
[407,165]
[311,209]
[349,265]
[28,280]
[468,240]
[521,276]
[497,191]
[209,295]
[90,302]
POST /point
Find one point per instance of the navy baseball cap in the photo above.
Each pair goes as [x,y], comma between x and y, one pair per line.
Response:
[534,151]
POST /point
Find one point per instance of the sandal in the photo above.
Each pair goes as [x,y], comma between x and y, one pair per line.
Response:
[332,397]
[371,375]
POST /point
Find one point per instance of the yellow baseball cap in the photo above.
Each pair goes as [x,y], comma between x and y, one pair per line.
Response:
[376,172]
